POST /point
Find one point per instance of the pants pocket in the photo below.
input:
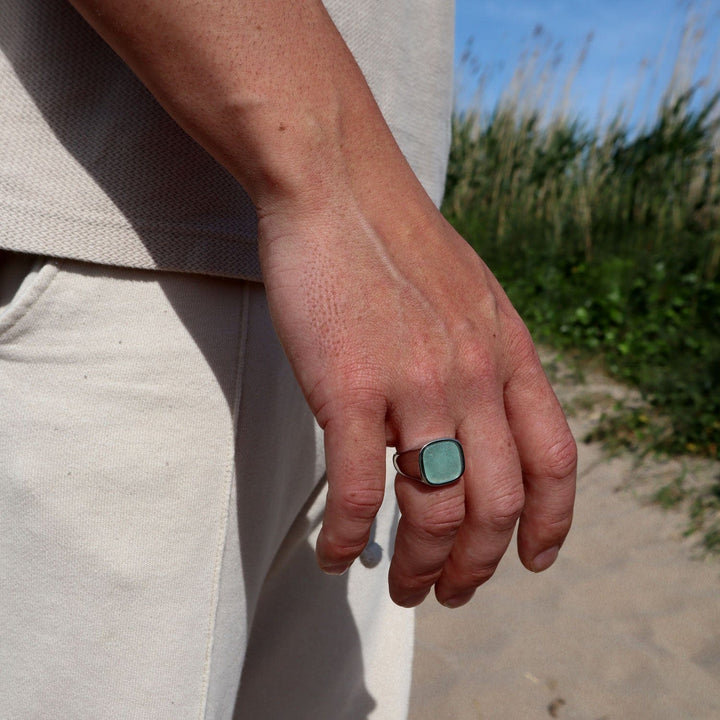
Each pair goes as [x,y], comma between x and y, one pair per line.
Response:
[23,278]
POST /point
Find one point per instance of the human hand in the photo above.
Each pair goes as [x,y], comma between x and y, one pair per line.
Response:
[399,334]
[396,330]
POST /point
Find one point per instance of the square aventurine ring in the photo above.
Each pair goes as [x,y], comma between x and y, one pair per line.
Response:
[436,463]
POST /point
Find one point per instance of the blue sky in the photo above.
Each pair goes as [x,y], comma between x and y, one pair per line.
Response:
[631,53]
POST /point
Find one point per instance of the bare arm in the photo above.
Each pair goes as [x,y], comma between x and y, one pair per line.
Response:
[270,89]
[396,330]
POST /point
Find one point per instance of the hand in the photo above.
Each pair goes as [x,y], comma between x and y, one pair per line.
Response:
[399,334]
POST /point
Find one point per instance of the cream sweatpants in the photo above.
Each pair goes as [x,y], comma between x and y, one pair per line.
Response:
[161,481]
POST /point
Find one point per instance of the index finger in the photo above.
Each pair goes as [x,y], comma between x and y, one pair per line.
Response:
[355,450]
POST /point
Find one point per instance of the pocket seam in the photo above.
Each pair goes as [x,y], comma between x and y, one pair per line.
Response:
[21,306]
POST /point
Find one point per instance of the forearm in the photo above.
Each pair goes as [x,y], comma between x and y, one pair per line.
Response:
[268,88]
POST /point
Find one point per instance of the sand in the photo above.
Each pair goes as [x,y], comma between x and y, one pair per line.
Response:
[625,625]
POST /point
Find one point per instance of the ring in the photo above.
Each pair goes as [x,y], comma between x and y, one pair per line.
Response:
[436,463]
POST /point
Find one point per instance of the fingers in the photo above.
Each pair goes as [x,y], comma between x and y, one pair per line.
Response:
[430,516]
[494,499]
[453,537]
[548,456]
[426,533]
[520,464]
[355,458]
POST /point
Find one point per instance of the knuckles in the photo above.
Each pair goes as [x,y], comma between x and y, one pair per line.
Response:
[561,457]
[476,363]
[459,357]
[554,529]
[358,507]
[440,520]
[429,377]
[475,576]
[361,503]
[467,363]
[502,512]
[520,348]
[468,575]
[357,395]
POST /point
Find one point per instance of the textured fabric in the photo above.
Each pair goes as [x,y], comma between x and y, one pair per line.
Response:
[92,168]
[161,485]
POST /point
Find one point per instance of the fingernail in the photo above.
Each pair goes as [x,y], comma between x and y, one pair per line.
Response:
[412,601]
[457,600]
[545,559]
[336,569]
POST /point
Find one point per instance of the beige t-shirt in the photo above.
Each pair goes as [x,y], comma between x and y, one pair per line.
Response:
[92,168]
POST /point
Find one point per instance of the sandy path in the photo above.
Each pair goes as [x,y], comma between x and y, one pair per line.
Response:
[625,626]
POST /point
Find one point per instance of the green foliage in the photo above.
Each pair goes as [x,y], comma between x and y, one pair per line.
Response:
[671,495]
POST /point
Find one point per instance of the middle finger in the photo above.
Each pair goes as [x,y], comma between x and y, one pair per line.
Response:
[494,499]
[426,532]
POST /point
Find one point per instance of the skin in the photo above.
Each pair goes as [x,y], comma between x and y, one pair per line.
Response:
[396,330]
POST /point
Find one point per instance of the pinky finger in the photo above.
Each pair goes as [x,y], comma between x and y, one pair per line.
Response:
[548,457]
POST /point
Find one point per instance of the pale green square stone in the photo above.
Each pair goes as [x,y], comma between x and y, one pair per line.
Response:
[442,461]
